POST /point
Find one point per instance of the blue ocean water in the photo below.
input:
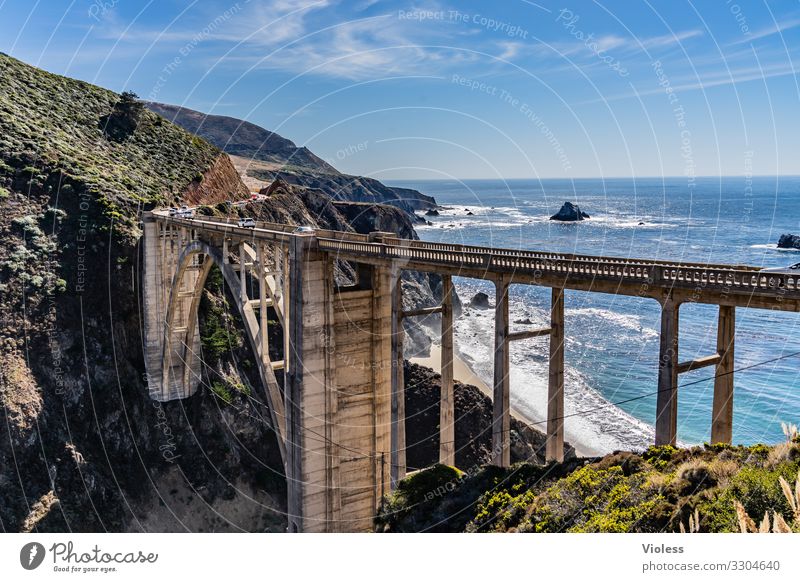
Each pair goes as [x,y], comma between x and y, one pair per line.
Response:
[612,341]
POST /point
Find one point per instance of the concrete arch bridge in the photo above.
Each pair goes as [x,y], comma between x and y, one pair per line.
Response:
[339,412]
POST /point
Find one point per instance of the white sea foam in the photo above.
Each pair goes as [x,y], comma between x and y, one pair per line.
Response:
[774,247]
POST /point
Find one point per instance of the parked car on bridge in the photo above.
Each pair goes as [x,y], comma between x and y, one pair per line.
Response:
[790,270]
[247,223]
[173,211]
[304,229]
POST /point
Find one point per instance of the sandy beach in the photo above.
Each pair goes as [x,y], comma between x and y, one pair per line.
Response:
[464,374]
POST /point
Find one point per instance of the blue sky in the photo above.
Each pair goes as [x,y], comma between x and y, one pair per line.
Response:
[434,89]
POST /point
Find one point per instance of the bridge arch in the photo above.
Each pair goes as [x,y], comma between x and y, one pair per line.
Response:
[186,328]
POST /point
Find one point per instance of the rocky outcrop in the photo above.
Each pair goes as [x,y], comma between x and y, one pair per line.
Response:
[480,301]
[789,241]
[219,183]
[569,212]
[349,188]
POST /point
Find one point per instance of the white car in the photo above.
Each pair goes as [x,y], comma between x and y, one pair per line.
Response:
[247,223]
[304,229]
[173,211]
[790,270]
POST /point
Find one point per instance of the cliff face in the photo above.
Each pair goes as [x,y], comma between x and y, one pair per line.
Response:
[220,182]
[84,448]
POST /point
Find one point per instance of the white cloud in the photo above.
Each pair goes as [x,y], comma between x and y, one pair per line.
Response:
[776,28]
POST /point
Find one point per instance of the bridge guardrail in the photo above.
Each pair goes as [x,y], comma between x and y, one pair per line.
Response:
[657,273]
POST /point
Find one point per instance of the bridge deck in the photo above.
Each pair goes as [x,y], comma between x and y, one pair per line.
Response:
[719,284]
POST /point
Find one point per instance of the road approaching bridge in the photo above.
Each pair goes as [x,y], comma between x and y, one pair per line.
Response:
[339,413]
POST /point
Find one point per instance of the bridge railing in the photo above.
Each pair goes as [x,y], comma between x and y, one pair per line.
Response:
[658,273]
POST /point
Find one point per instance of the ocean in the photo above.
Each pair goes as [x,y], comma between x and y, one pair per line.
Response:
[611,348]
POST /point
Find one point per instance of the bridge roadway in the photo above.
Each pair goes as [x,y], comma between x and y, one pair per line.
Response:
[316,315]
[718,284]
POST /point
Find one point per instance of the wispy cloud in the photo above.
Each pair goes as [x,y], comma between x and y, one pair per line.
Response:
[776,28]
[709,81]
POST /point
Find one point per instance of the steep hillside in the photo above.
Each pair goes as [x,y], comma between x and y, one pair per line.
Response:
[242,138]
[272,156]
[83,448]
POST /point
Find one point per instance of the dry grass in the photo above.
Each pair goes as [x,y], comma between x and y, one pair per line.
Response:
[778,523]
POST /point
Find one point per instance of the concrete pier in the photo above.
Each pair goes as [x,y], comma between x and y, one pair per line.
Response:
[447,431]
[554,448]
[722,412]
[501,418]
[667,398]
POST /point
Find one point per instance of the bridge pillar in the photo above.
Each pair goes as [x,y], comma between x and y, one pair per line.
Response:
[501,417]
[168,380]
[309,394]
[447,433]
[554,448]
[338,395]
[667,399]
[398,404]
[722,414]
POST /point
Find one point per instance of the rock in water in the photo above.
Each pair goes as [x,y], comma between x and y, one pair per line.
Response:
[432,213]
[480,301]
[789,241]
[569,213]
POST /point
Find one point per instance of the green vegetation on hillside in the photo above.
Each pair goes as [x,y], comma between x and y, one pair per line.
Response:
[51,134]
[655,491]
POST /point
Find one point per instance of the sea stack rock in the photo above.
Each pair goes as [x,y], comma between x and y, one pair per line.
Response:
[569,213]
[432,212]
[480,301]
[789,241]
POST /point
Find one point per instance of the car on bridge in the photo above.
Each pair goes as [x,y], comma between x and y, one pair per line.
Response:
[185,212]
[247,223]
[304,228]
[790,270]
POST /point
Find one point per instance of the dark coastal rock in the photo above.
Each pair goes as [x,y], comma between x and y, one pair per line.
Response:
[470,213]
[569,213]
[526,321]
[432,212]
[789,241]
[480,301]
[473,414]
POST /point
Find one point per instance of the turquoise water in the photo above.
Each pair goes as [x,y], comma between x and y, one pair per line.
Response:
[612,341]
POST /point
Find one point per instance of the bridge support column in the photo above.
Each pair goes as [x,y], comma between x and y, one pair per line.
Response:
[722,415]
[554,448]
[667,399]
[447,433]
[501,418]
[309,390]
[398,405]
[262,304]
[167,378]
[242,274]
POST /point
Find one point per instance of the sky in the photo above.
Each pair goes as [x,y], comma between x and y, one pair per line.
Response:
[443,90]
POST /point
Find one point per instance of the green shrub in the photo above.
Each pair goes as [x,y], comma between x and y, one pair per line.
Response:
[222,391]
[758,489]
[659,456]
